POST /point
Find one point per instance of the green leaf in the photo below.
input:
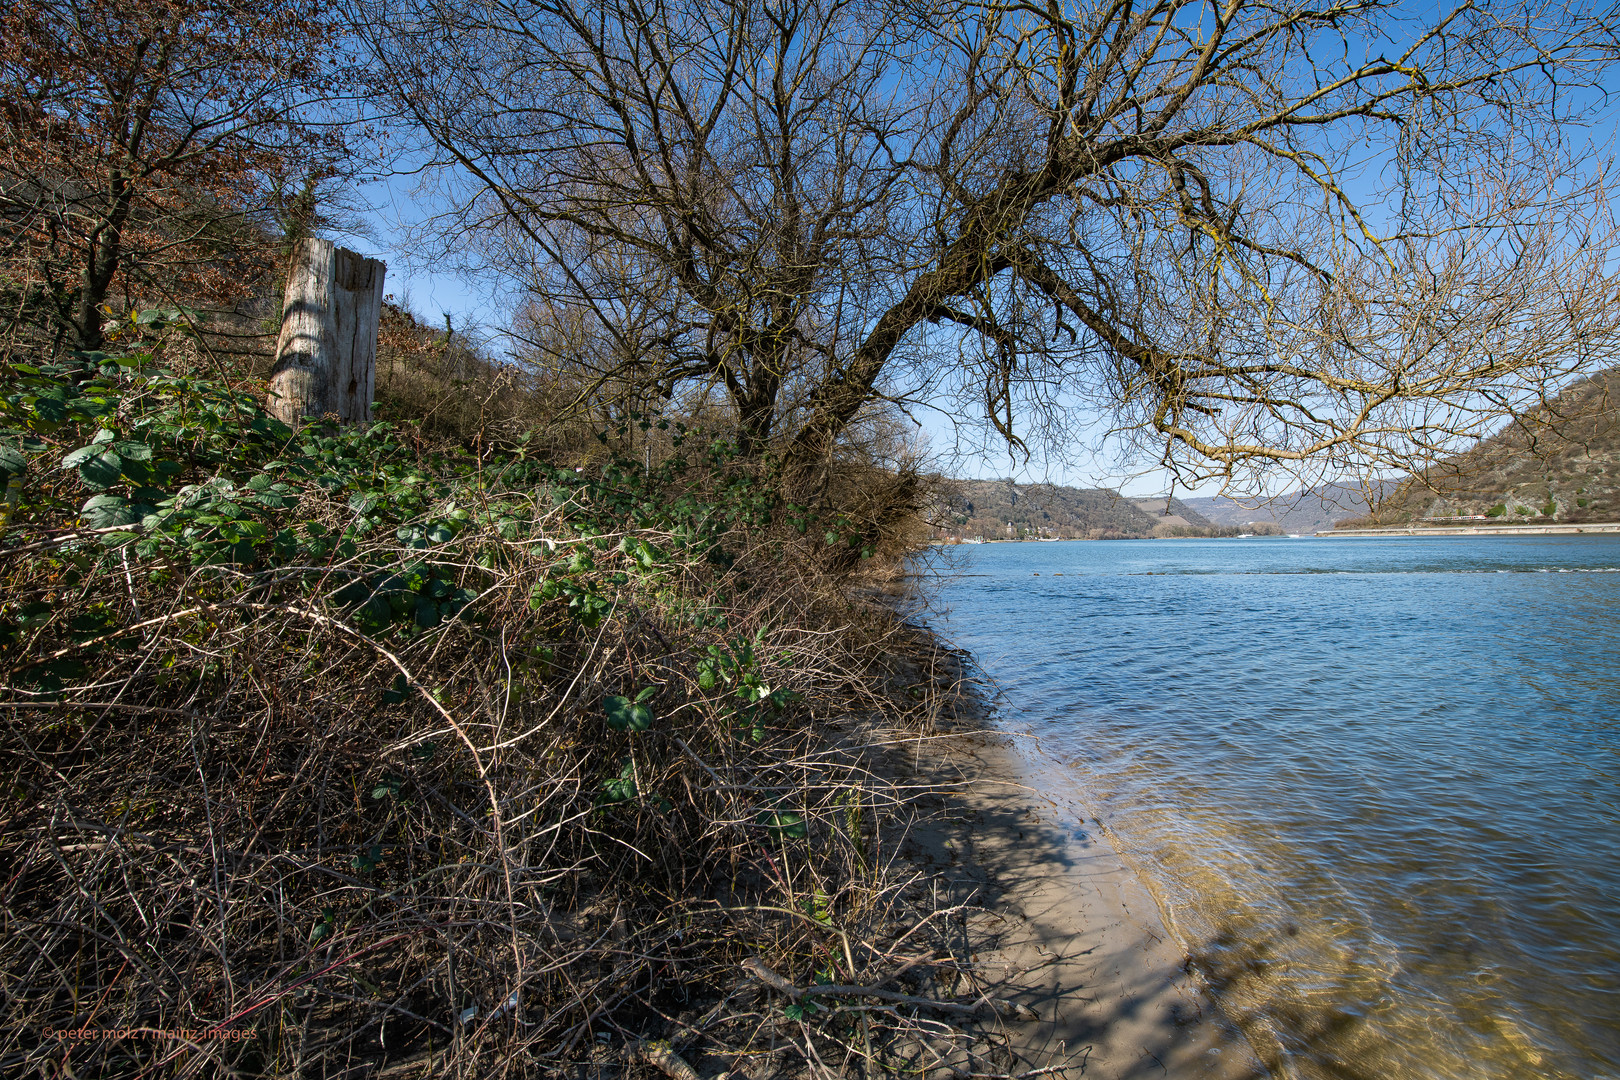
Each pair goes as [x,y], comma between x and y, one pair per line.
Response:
[626,715]
[101,471]
[397,692]
[106,511]
[52,412]
[11,461]
[784,823]
[49,677]
[35,612]
[621,788]
[84,627]
[388,785]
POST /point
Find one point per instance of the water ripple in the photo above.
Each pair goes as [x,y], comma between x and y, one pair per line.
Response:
[1376,782]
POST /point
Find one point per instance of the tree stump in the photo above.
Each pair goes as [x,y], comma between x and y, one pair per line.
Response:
[326,356]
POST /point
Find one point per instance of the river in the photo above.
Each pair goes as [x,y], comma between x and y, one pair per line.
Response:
[1374,783]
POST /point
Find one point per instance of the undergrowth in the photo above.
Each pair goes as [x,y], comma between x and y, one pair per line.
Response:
[328,752]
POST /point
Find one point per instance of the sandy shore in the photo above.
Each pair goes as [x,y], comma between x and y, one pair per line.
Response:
[1060,922]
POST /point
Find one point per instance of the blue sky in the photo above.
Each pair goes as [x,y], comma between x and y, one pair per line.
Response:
[475,307]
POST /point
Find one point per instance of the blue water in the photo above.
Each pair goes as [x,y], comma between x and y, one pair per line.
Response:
[1375,783]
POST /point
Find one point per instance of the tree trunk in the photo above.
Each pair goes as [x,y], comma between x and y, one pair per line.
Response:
[326,357]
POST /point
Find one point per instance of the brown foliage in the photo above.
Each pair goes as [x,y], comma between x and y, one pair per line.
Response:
[147,149]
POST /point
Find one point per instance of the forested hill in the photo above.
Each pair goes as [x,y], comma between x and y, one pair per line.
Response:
[1001,509]
[1559,462]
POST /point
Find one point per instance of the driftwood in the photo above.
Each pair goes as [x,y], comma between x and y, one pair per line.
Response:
[660,1055]
[326,356]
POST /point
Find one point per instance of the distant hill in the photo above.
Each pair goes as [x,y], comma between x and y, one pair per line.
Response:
[1559,462]
[1305,511]
[1002,510]
[1177,513]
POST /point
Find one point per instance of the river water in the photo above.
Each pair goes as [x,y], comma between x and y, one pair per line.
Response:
[1374,783]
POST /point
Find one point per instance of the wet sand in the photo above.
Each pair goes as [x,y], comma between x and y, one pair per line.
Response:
[1061,923]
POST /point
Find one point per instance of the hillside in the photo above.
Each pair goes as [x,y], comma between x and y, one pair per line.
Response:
[1559,462]
[1302,511]
[1002,510]
[1176,514]
[303,696]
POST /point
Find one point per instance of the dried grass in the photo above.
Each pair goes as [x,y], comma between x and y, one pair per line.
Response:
[230,829]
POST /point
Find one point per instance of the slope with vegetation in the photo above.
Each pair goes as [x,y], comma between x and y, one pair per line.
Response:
[1003,510]
[1558,462]
[1304,510]
[376,751]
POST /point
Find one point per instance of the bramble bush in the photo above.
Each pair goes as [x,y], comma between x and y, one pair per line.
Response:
[379,748]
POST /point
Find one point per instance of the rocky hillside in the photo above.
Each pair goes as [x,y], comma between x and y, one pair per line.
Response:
[1559,462]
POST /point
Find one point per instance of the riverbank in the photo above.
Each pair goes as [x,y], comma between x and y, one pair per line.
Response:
[372,756]
[1057,921]
[1054,918]
[369,754]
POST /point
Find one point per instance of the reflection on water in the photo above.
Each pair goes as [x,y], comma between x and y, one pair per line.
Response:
[1374,781]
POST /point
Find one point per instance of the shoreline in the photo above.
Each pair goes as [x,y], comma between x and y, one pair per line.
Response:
[1063,923]
[1595,528]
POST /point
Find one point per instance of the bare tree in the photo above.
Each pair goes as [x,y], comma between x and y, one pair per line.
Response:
[1250,232]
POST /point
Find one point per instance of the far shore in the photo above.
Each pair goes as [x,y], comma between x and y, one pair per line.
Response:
[1481,530]
[948,542]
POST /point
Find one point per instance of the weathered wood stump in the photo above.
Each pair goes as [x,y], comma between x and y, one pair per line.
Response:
[326,356]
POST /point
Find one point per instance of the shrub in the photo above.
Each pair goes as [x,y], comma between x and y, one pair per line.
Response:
[366,746]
